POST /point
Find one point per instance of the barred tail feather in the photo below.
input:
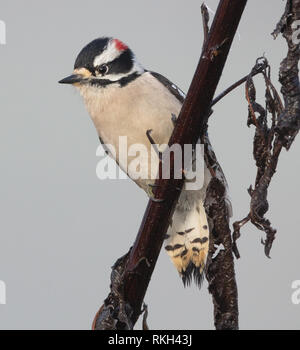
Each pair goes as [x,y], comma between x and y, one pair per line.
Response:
[187,241]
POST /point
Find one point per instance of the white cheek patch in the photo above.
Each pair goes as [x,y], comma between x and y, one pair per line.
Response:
[110,53]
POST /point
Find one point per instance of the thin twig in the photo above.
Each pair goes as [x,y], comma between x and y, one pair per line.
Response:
[259,69]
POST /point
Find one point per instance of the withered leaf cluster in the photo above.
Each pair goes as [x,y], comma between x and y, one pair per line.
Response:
[276,124]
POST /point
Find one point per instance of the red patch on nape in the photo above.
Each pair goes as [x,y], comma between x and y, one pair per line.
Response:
[120,45]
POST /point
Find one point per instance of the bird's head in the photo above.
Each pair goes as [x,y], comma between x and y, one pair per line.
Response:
[102,62]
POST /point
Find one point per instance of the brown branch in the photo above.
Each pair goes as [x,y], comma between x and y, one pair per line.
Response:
[132,273]
[285,124]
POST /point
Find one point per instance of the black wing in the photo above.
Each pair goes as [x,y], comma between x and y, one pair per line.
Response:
[179,94]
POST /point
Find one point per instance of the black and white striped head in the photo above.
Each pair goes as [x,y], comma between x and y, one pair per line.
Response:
[104,61]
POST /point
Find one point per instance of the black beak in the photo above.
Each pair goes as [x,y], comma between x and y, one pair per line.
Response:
[71,79]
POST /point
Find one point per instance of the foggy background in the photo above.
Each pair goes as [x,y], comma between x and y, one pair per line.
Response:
[61,228]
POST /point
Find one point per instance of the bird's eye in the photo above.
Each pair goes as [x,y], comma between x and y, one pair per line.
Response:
[103,69]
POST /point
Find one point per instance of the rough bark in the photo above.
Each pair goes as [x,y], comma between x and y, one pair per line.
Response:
[220,272]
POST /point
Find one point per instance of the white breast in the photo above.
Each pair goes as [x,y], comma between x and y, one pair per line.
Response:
[130,111]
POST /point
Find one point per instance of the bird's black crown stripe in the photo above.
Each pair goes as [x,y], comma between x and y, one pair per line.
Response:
[86,57]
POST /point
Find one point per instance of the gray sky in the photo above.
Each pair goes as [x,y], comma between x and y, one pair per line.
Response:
[62,228]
